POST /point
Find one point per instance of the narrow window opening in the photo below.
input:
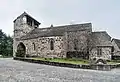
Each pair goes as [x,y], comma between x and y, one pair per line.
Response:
[51,44]
[34,46]
[75,44]
[112,49]
[99,51]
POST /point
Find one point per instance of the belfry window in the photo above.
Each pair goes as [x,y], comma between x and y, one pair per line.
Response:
[51,44]
[29,21]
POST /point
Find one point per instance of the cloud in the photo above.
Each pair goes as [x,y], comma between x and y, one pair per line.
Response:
[104,14]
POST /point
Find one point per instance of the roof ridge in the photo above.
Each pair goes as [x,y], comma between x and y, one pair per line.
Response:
[99,32]
[117,41]
[73,24]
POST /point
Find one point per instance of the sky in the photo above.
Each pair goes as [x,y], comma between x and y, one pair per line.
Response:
[103,14]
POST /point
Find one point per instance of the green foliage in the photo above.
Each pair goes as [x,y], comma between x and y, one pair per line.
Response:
[117,61]
[6,48]
[63,60]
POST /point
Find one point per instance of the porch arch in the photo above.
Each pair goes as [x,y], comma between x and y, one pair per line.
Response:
[21,50]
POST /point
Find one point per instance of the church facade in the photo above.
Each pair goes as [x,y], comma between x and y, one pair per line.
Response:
[69,41]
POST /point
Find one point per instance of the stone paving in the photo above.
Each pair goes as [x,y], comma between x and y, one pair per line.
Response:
[18,71]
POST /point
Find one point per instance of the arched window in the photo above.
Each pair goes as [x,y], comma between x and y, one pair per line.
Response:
[34,46]
[51,44]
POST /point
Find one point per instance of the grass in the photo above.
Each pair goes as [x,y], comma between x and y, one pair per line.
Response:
[5,56]
[114,62]
[72,60]
[64,60]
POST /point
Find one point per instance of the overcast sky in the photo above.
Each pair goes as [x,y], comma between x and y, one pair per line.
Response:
[103,14]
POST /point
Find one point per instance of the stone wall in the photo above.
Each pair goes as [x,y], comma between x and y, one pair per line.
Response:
[77,43]
[21,28]
[106,53]
[42,47]
[81,37]
[103,41]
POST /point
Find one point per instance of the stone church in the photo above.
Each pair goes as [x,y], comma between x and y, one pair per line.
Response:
[69,41]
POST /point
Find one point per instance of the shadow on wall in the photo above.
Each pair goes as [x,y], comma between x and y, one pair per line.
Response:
[78,54]
[21,50]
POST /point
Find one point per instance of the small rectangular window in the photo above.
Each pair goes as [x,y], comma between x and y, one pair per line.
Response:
[99,51]
[34,46]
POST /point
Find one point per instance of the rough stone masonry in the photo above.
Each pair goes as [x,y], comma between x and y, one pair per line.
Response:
[76,40]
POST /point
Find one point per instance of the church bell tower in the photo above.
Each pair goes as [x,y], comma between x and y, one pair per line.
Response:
[23,24]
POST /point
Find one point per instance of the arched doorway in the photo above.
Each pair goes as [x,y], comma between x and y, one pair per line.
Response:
[21,50]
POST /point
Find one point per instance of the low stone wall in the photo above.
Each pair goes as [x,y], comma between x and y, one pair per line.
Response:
[103,67]
[68,65]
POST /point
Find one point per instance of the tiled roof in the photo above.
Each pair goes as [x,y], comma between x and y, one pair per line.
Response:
[25,14]
[56,31]
[101,39]
[117,41]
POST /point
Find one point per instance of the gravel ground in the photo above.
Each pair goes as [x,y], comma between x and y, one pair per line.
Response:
[18,71]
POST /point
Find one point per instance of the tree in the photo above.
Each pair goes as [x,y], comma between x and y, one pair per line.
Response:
[6,42]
